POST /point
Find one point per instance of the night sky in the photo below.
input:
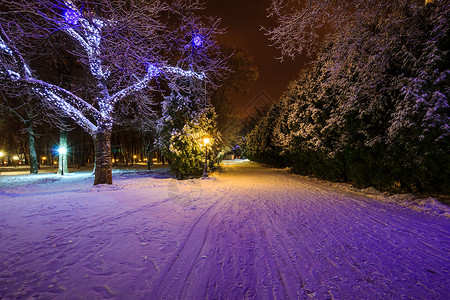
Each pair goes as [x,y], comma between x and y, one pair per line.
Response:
[243,19]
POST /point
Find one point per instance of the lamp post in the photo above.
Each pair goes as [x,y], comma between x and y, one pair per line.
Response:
[1,158]
[206,141]
[62,151]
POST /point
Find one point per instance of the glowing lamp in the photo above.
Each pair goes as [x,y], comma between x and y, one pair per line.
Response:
[62,150]
[206,141]
[15,157]
[197,41]
[72,16]
[1,153]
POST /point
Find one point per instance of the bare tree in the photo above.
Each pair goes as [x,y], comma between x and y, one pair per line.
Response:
[125,46]
[303,24]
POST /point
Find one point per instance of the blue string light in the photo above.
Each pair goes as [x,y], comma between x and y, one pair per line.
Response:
[197,41]
[153,71]
[72,16]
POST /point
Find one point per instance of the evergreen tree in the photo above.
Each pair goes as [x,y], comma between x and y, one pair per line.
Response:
[186,120]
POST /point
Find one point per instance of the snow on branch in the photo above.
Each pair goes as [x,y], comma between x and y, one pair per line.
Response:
[302,26]
[117,44]
[55,95]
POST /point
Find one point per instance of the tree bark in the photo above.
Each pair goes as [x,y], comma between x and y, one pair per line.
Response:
[103,166]
[32,149]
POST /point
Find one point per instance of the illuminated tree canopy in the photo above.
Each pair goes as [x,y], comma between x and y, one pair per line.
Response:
[126,48]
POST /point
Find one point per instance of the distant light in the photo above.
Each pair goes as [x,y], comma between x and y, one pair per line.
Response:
[206,141]
[153,71]
[197,41]
[54,162]
[15,157]
[44,158]
[72,17]
[134,156]
[62,150]
[1,153]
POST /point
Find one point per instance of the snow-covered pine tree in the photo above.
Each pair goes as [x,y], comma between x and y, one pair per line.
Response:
[374,108]
[185,122]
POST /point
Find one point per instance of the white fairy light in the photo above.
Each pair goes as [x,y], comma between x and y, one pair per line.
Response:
[186,73]
[5,48]
[72,16]
[14,75]
[153,71]
[88,34]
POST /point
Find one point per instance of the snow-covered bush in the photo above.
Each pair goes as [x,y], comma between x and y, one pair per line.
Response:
[186,121]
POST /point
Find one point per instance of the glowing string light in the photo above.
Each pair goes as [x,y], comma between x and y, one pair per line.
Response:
[153,71]
[197,41]
[72,17]
[14,75]
[88,34]
[5,48]
[185,73]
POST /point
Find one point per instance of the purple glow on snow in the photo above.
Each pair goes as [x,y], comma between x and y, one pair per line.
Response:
[72,16]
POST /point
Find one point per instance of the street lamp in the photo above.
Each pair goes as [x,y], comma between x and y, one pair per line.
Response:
[206,141]
[62,151]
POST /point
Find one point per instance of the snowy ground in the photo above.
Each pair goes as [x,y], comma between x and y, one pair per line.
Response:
[246,233]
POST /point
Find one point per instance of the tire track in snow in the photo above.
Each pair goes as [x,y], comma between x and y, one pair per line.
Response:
[172,284]
[354,246]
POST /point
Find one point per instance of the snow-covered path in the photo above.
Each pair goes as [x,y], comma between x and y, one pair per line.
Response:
[246,233]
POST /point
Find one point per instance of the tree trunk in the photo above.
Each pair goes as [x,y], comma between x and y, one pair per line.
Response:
[63,157]
[32,149]
[103,166]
